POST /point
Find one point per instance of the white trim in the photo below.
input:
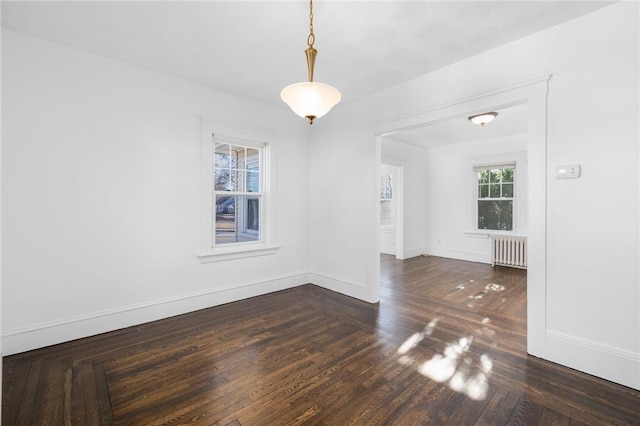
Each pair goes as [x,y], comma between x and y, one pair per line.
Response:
[264,140]
[412,252]
[328,281]
[351,288]
[482,166]
[238,253]
[390,248]
[533,93]
[403,122]
[516,160]
[608,362]
[469,256]
[53,332]
[387,249]
[486,233]
[400,212]
[398,200]
[371,293]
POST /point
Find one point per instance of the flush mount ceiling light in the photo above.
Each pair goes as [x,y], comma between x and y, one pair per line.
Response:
[310,100]
[484,118]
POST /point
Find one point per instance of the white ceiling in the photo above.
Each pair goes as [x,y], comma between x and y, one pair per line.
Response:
[254,49]
[509,122]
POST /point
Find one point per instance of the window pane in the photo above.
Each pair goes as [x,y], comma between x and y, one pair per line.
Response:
[221,167]
[225,220]
[495,176]
[221,179]
[225,180]
[507,190]
[253,214]
[241,181]
[494,191]
[237,219]
[222,156]
[495,214]
[507,175]
[253,159]
[233,157]
[483,191]
[483,176]
[253,181]
[240,157]
[386,190]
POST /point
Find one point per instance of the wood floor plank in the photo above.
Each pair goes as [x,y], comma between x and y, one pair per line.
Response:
[494,412]
[445,345]
[28,401]
[14,372]
[84,396]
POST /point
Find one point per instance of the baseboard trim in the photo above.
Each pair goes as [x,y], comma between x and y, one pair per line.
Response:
[604,361]
[326,280]
[344,286]
[387,250]
[469,256]
[53,332]
[413,252]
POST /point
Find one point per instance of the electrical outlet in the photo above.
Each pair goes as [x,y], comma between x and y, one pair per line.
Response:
[568,172]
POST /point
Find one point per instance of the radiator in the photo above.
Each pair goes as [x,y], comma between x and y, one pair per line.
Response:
[509,251]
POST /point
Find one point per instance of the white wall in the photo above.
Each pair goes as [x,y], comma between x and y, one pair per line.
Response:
[1,352]
[450,189]
[414,195]
[342,227]
[100,191]
[100,187]
[592,300]
[438,195]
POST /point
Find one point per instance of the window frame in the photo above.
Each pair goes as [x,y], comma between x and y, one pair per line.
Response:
[477,169]
[242,195]
[521,193]
[209,251]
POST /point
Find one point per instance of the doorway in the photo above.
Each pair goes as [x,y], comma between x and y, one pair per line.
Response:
[533,94]
[391,209]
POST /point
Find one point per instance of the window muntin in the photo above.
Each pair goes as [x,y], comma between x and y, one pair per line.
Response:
[495,196]
[238,193]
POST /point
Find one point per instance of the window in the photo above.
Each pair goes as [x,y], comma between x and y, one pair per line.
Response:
[495,197]
[236,219]
[237,193]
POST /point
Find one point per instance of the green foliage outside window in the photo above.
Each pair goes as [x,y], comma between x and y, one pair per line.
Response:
[495,199]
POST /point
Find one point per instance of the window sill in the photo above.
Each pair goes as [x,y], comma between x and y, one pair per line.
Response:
[481,233]
[236,253]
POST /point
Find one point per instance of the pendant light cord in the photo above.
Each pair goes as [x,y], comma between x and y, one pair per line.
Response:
[310,51]
[312,38]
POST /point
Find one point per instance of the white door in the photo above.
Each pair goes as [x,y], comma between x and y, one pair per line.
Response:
[388,208]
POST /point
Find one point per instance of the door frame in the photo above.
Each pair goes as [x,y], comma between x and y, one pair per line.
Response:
[534,94]
[398,195]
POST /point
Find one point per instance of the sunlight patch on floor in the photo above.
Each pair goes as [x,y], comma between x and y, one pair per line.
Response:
[452,365]
[455,364]
[488,289]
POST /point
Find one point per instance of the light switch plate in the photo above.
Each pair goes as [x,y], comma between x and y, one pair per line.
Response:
[571,171]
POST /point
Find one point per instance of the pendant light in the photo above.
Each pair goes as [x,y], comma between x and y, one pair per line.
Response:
[310,100]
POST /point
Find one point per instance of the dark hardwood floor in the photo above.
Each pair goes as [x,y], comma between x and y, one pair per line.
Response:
[446,345]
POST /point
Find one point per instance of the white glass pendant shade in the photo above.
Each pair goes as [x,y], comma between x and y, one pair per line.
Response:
[310,99]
